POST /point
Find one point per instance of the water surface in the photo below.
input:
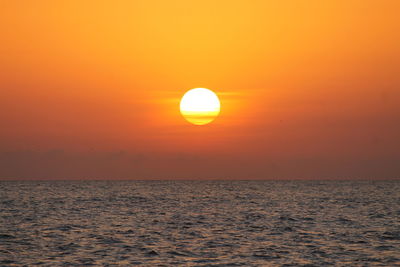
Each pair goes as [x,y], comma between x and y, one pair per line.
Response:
[200,223]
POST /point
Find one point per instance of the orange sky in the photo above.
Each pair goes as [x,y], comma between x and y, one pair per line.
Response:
[91,89]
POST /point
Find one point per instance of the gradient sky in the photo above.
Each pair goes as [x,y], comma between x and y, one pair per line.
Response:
[91,89]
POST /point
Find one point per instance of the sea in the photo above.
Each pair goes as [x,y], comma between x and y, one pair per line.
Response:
[200,223]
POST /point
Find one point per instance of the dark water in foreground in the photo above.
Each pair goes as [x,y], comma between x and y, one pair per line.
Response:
[210,223]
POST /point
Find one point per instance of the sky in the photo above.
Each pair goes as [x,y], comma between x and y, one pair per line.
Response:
[308,89]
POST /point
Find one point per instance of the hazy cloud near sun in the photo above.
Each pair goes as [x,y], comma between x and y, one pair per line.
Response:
[60,164]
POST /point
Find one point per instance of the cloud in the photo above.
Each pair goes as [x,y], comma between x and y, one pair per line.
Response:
[119,164]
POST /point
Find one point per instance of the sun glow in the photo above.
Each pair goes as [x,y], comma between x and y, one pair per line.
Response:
[200,106]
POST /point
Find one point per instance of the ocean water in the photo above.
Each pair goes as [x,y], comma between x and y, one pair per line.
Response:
[200,223]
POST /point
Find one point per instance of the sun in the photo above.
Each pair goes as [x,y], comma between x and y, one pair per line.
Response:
[200,106]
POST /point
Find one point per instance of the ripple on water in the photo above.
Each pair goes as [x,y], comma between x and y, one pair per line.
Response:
[210,223]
